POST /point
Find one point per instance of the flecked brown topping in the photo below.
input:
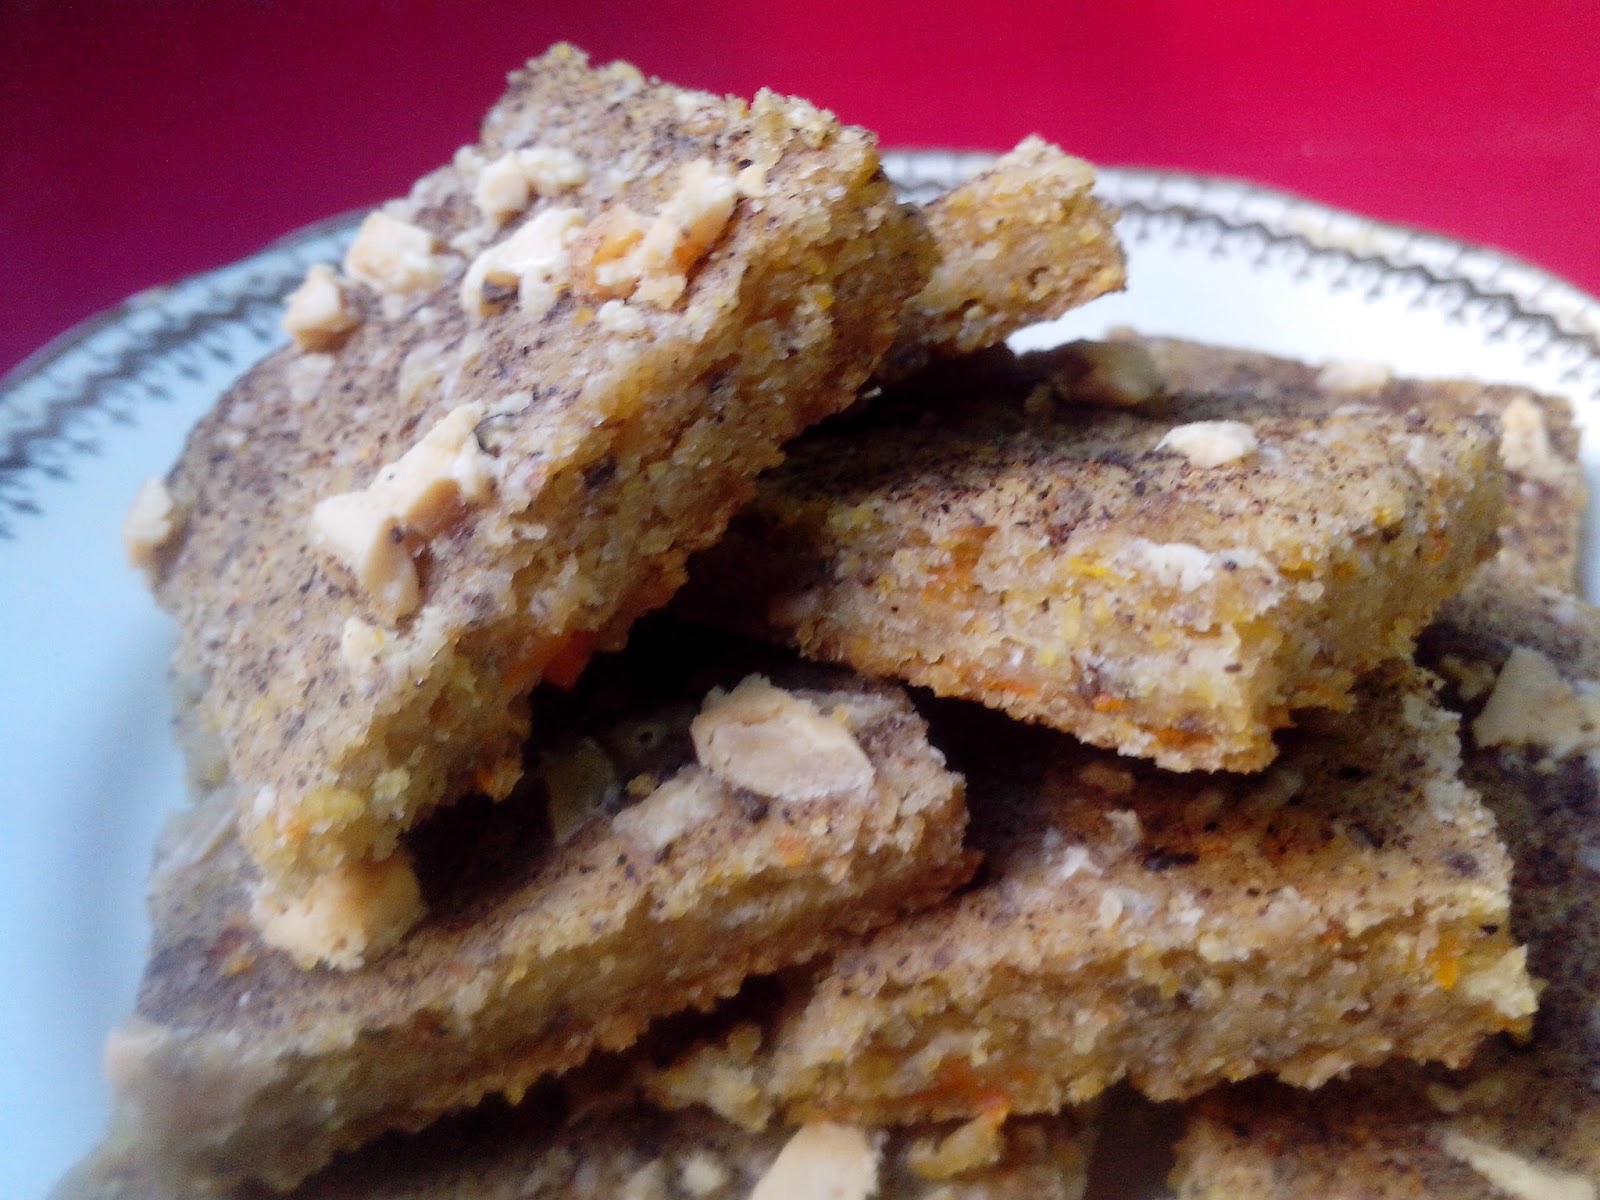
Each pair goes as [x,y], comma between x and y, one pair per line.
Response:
[616,431]
[537,950]
[1545,489]
[1346,906]
[1075,565]
[1523,1121]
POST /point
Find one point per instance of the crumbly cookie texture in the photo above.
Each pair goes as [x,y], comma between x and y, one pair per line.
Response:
[1522,1122]
[537,384]
[636,1154]
[1022,242]
[1172,580]
[1344,907]
[631,876]
[1538,438]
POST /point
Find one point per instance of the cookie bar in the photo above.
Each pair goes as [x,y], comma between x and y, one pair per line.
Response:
[637,1154]
[659,850]
[1344,907]
[535,386]
[1524,1119]
[1173,581]
[1023,241]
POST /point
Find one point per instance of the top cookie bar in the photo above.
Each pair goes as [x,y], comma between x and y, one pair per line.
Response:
[537,385]
[1171,580]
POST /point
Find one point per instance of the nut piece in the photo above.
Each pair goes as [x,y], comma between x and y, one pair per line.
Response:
[703,1175]
[1512,1174]
[1532,705]
[668,813]
[317,315]
[535,260]
[823,1161]
[505,186]
[348,915]
[624,256]
[373,533]
[1353,375]
[1210,443]
[391,255]
[1108,374]
[777,744]
[978,1143]
[1525,442]
[153,520]
[579,785]
[430,485]
[358,532]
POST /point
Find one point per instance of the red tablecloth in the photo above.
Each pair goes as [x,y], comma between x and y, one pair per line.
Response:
[144,139]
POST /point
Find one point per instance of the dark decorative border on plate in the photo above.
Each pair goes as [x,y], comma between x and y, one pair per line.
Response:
[58,404]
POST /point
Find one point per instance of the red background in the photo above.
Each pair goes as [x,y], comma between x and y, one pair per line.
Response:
[142,141]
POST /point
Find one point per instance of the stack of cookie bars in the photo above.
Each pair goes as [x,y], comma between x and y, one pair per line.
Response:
[676,710]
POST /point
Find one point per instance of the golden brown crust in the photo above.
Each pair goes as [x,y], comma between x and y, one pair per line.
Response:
[1344,907]
[611,434]
[1101,570]
[1523,1120]
[239,1064]
[1022,242]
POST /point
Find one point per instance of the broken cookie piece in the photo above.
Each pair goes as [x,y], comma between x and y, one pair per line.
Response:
[1344,907]
[1523,1120]
[1023,241]
[657,852]
[1173,582]
[534,387]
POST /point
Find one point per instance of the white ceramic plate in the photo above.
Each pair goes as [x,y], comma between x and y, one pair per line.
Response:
[86,766]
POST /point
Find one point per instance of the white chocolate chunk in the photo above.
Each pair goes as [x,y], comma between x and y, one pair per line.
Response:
[361,645]
[777,744]
[684,231]
[703,1175]
[305,374]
